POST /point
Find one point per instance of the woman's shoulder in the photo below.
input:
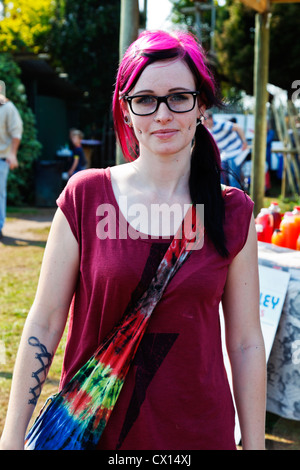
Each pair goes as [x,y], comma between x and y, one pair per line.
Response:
[83,193]
[236,198]
[238,214]
[89,176]
[85,185]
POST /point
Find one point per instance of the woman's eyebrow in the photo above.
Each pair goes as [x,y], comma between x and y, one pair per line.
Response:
[180,88]
[142,91]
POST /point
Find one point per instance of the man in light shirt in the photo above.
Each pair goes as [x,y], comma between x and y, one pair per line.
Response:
[231,141]
[11,129]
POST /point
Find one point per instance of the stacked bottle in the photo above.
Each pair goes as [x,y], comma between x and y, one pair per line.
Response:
[296,213]
[298,244]
[267,221]
[276,212]
[289,230]
[278,238]
[264,224]
[284,231]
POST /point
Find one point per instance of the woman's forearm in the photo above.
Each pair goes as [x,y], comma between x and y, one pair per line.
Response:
[249,385]
[43,329]
[34,358]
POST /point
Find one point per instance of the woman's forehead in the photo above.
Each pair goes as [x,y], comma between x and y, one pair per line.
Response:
[165,74]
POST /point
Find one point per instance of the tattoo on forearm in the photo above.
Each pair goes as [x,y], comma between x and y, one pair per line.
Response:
[45,359]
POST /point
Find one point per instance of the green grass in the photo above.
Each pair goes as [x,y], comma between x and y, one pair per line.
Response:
[285,204]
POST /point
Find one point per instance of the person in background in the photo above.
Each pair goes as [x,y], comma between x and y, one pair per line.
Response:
[79,161]
[11,129]
[231,141]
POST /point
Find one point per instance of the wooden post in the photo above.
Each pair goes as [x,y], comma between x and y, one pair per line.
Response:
[261,69]
[129,25]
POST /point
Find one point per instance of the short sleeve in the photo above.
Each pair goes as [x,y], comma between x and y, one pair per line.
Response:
[15,123]
[81,197]
[69,202]
[238,213]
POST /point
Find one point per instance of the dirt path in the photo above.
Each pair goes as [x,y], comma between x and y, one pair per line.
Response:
[31,226]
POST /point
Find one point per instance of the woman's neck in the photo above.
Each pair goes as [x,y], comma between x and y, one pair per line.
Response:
[167,176]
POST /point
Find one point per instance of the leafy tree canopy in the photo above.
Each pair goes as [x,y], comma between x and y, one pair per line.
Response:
[235,31]
[84,42]
[25,24]
[82,39]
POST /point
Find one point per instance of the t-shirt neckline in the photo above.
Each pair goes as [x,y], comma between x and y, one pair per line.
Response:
[123,222]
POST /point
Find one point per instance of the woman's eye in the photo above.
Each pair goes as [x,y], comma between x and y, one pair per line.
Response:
[147,99]
[179,97]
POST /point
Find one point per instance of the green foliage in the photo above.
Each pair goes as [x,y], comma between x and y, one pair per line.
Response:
[25,25]
[234,42]
[178,17]
[82,39]
[235,47]
[84,42]
[21,180]
[284,45]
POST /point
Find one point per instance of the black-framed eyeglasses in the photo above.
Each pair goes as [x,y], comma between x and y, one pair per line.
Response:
[180,102]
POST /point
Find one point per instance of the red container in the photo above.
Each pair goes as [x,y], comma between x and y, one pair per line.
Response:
[264,226]
[298,244]
[276,212]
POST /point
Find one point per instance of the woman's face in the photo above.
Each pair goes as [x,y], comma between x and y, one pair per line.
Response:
[164,132]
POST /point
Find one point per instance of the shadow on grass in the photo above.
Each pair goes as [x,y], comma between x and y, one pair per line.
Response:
[21,242]
[6,375]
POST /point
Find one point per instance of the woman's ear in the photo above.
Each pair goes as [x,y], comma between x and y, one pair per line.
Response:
[127,120]
[125,112]
[201,110]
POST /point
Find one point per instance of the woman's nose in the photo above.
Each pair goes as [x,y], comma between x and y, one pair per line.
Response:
[163,113]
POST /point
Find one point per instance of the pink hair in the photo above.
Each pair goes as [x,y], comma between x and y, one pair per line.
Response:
[152,46]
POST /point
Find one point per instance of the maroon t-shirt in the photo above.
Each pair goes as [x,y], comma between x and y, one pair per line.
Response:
[176,394]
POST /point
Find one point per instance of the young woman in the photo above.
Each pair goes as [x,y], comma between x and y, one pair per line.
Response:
[101,255]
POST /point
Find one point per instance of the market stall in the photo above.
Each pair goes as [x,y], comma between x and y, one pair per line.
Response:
[283,388]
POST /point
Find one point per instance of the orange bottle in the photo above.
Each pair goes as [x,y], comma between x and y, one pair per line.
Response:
[298,244]
[296,213]
[287,226]
[278,237]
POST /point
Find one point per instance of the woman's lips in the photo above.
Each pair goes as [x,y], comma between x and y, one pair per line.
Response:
[164,133]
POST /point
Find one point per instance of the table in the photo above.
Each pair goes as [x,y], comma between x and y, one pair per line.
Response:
[88,148]
[283,386]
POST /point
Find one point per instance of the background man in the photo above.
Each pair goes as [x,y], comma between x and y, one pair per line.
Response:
[230,139]
[11,129]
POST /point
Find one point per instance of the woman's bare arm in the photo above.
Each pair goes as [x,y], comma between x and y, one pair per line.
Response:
[43,329]
[245,343]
